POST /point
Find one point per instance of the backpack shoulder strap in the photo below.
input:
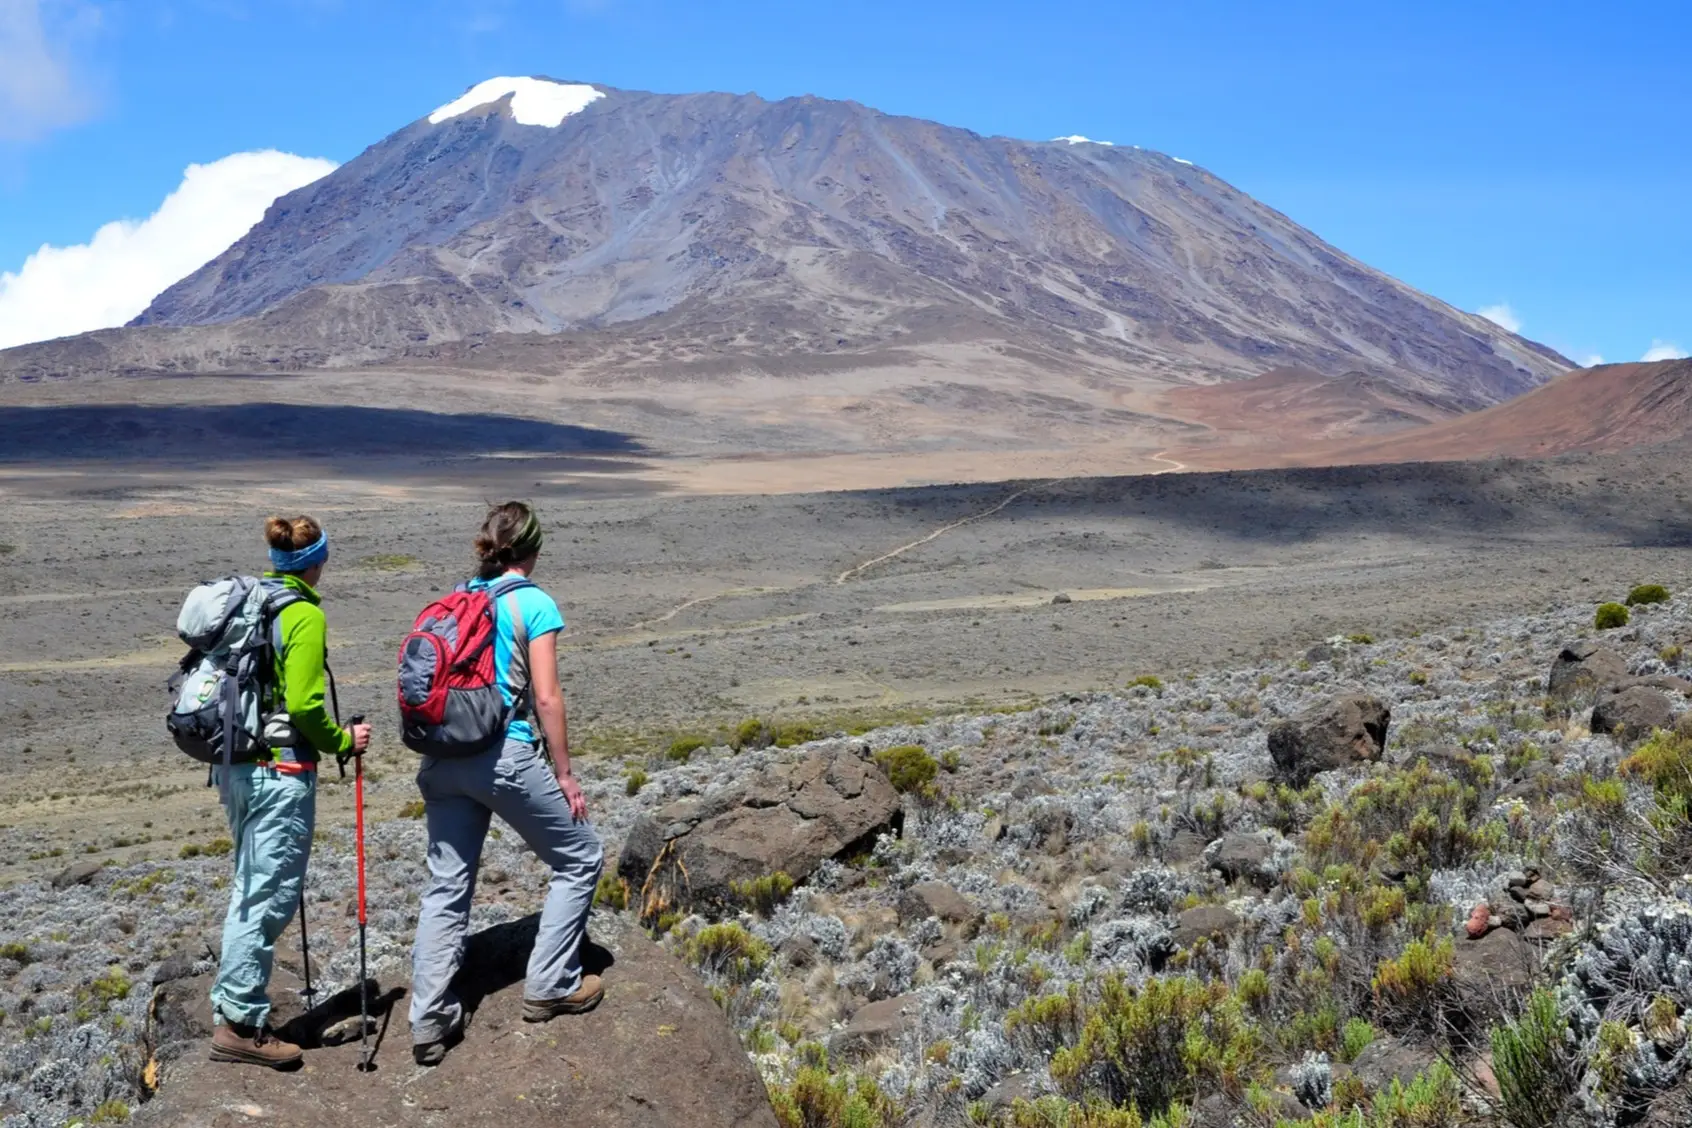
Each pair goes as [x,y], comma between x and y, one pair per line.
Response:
[522,685]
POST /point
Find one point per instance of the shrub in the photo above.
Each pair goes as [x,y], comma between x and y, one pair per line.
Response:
[1360,639]
[791,734]
[751,733]
[634,781]
[729,952]
[111,986]
[612,892]
[1610,616]
[13,950]
[763,894]
[412,810]
[1055,1112]
[1418,677]
[908,767]
[682,748]
[1150,681]
[1157,1044]
[1647,593]
[1411,986]
[817,1098]
[1537,1073]
[111,1111]
[1355,1038]
[219,847]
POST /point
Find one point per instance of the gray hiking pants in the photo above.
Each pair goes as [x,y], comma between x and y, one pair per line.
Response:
[459,797]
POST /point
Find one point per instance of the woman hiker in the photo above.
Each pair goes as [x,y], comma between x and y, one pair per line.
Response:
[543,804]
[272,804]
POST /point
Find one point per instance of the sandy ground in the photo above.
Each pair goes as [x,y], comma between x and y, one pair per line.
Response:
[691,612]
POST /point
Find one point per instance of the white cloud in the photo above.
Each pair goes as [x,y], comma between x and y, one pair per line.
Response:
[111,278]
[1502,316]
[38,91]
[1664,350]
[1592,360]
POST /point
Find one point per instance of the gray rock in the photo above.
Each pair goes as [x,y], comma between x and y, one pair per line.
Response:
[1204,922]
[1346,730]
[1386,1060]
[79,874]
[1238,856]
[789,819]
[937,899]
[1632,714]
[1583,667]
[874,1025]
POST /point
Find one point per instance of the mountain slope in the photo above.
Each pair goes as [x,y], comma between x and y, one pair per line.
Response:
[738,226]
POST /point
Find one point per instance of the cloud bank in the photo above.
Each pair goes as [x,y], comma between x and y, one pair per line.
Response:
[109,279]
[37,91]
[1664,350]
[1502,316]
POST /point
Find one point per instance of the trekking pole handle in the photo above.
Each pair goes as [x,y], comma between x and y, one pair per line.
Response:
[341,758]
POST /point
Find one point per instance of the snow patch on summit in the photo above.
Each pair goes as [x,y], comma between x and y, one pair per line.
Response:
[534,101]
[1077,139]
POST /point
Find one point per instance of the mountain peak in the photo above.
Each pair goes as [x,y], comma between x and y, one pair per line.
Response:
[534,101]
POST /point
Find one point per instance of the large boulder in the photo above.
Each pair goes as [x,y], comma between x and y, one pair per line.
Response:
[657,1052]
[1204,922]
[1349,729]
[937,899]
[1633,713]
[789,819]
[1584,667]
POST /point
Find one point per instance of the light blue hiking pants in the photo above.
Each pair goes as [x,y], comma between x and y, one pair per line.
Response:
[271,816]
[459,798]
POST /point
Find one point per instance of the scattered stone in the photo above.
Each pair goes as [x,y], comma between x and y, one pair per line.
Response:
[875,1024]
[172,968]
[1547,929]
[937,899]
[1239,856]
[80,873]
[1386,1059]
[1204,922]
[1583,667]
[1480,921]
[1061,597]
[1349,729]
[790,818]
[1632,714]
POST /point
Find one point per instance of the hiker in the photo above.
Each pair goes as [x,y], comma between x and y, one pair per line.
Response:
[544,804]
[272,801]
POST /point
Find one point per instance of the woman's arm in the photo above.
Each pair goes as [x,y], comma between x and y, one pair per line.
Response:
[549,711]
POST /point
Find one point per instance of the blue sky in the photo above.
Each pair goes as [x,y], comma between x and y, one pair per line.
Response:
[1536,155]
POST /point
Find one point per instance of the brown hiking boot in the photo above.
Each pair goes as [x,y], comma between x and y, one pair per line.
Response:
[586,997]
[252,1045]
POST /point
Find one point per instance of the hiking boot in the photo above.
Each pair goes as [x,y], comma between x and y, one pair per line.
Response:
[433,1053]
[586,997]
[252,1045]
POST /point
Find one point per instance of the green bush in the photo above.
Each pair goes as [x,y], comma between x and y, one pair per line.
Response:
[729,951]
[1610,616]
[218,847]
[13,950]
[634,781]
[1355,1038]
[817,1098]
[909,767]
[1152,1046]
[1647,593]
[762,894]
[612,892]
[1055,1112]
[111,986]
[112,1111]
[682,748]
[1361,639]
[412,810]
[1537,1073]
[791,734]
[1433,1100]
[751,733]
[1150,681]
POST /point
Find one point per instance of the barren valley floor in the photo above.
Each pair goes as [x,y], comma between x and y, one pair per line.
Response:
[689,613]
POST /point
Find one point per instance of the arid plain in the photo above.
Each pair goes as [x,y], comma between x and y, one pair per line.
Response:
[688,613]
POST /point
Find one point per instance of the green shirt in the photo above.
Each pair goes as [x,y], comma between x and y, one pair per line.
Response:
[300,671]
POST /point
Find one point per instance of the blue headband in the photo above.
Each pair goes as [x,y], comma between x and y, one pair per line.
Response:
[301,559]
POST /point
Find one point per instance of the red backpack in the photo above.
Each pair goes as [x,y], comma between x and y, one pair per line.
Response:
[450,702]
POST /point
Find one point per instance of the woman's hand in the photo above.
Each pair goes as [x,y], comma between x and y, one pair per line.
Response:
[573,795]
[361,738]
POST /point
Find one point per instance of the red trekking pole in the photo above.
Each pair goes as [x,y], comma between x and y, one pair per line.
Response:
[365,1064]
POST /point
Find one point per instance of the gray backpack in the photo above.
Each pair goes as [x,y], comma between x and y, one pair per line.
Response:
[219,688]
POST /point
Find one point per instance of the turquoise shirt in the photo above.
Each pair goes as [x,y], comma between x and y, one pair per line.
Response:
[541,617]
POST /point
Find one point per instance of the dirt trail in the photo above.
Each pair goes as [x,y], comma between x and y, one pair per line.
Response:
[858,569]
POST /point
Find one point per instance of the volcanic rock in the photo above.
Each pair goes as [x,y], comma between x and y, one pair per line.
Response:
[1349,729]
[1583,667]
[789,819]
[1632,714]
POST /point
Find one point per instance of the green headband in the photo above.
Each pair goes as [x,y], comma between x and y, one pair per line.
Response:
[528,542]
